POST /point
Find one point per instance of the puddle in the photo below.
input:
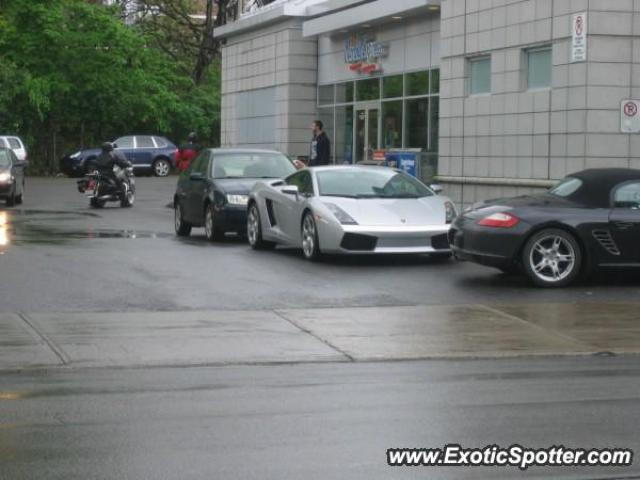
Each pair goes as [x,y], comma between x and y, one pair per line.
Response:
[18,228]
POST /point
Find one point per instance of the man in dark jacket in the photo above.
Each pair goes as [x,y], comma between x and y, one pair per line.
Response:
[320,146]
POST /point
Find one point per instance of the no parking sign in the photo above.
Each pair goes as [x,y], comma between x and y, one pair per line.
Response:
[630,116]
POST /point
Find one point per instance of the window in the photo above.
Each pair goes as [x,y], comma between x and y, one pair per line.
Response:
[539,68]
[370,183]
[145,142]
[344,92]
[201,163]
[417,123]
[566,187]
[325,95]
[368,89]
[434,116]
[343,140]
[14,143]
[480,69]
[161,142]
[247,165]
[5,158]
[124,142]
[628,196]
[435,81]
[303,181]
[392,124]
[392,87]
[418,83]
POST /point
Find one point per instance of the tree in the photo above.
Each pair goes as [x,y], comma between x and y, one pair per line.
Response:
[73,74]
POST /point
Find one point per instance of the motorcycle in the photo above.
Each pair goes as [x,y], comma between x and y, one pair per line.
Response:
[101,189]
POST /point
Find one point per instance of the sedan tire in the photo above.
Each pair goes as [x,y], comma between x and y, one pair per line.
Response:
[20,198]
[310,243]
[213,233]
[552,258]
[11,198]
[183,229]
[254,230]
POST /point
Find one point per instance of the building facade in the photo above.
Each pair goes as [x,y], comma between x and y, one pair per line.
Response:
[496,97]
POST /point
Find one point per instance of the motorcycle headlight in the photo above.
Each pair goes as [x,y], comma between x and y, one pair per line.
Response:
[5,177]
[75,155]
[451,212]
[238,200]
[343,217]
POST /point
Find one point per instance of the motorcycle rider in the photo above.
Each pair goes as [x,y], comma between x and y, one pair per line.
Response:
[108,159]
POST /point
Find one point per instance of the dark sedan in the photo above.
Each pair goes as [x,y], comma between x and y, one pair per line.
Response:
[214,191]
[149,153]
[589,221]
[12,180]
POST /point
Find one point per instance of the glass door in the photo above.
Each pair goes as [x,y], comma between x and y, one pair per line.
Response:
[367,132]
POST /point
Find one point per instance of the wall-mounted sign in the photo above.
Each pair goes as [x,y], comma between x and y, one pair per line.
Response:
[630,116]
[579,38]
[363,54]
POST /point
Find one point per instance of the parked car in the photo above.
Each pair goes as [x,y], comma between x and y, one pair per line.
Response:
[350,210]
[146,152]
[214,191]
[15,144]
[12,181]
[590,220]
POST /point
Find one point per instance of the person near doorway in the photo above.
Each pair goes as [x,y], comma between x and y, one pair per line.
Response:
[320,146]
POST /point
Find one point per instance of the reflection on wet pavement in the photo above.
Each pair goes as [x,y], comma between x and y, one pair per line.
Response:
[35,227]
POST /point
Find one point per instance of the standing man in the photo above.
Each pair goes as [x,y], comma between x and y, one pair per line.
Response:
[320,146]
[187,152]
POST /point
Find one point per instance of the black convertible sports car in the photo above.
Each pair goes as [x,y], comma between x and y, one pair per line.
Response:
[590,220]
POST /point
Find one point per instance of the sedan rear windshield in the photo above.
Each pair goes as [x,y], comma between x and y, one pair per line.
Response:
[5,158]
[251,165]
[370,183]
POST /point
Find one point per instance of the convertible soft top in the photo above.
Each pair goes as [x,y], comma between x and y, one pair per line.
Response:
[597,184]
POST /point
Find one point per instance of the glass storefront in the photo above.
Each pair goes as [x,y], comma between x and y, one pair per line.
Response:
[381,113]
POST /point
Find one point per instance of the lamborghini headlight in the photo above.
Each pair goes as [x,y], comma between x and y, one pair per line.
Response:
[5,177]
[451,212]
[343,217]
[238,200]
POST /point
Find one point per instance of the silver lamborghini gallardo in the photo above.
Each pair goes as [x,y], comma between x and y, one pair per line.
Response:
[349,210]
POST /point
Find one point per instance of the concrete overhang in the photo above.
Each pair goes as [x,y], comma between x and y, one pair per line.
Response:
[370,13]
[269,14]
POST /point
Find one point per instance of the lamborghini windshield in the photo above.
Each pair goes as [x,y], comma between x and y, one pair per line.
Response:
[370,183]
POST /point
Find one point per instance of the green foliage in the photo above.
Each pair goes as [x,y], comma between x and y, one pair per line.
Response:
[72,75]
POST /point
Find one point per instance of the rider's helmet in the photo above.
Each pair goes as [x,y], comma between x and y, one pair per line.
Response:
[107,147]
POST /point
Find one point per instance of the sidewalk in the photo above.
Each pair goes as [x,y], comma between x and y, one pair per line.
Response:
[315,335]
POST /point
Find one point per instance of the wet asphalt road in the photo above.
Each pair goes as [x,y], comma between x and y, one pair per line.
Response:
[319,421]
[63,256]
[329,420]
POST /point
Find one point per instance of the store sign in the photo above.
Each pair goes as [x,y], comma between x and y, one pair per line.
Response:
[630,116]
[363,54]
[579,38]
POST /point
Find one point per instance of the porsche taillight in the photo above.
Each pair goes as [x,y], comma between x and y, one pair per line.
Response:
[500,220]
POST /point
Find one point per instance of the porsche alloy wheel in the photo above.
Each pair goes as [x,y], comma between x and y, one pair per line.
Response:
[552,258]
